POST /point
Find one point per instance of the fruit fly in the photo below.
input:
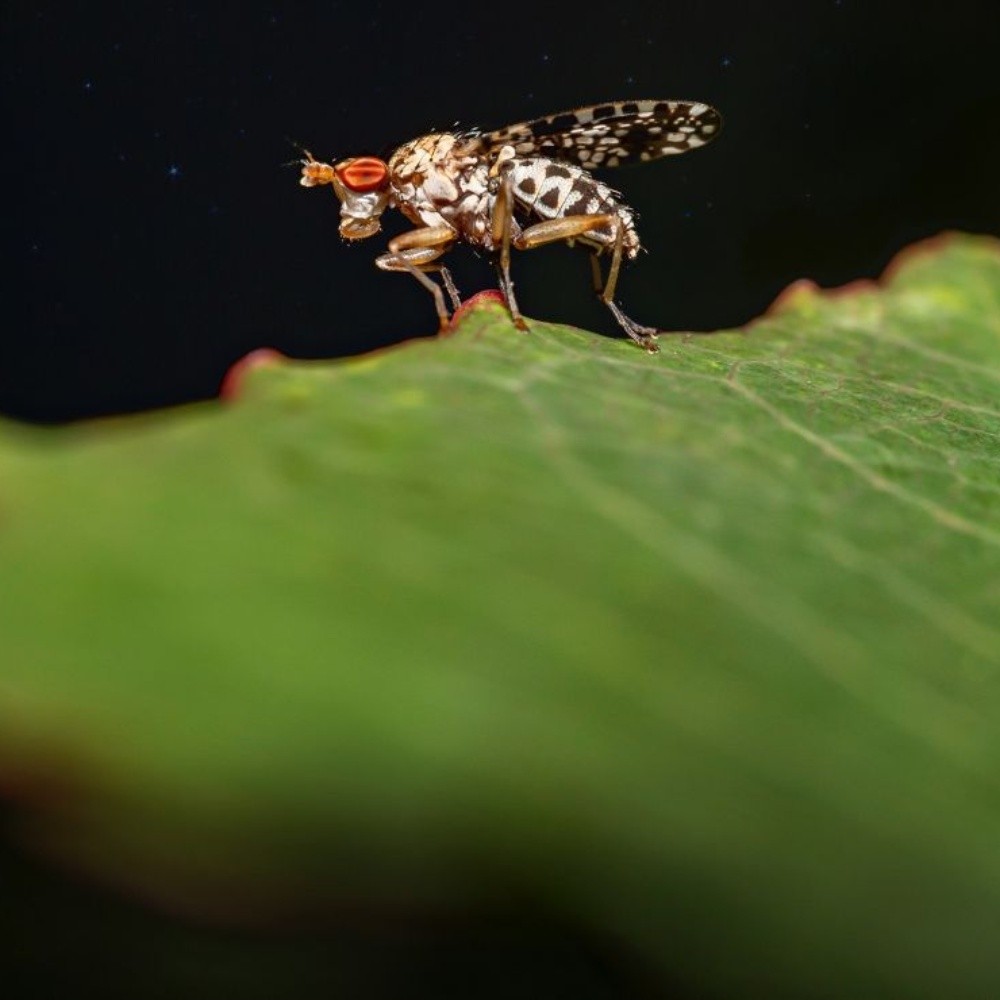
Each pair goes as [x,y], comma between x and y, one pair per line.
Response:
[518,187]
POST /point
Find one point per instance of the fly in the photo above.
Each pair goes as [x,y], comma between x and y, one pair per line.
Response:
[519,187]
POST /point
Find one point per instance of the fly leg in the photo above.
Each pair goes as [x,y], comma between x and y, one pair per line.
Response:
[644,336]
[567,228]
[501,225]
[416,252]
[552,230]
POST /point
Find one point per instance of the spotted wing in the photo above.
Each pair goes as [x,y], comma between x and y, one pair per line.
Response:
[609,135]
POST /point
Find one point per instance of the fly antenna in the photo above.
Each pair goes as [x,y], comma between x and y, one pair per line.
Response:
[306,157]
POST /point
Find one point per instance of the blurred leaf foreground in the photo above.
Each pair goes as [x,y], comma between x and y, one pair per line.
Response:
[699,652]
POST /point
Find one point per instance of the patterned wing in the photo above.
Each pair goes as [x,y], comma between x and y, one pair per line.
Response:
[609,135]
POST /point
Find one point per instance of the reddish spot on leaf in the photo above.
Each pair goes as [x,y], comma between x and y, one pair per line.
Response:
[232,381]
[479,299]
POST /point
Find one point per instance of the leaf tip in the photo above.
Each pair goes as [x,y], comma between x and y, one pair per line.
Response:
[232,383]
[802,293]
[927,247]
[793,296]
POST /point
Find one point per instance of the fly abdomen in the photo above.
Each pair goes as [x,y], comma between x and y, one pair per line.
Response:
[548,189]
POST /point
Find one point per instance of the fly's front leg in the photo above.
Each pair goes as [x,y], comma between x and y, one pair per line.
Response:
[417,261]
[416,252]
[573,226]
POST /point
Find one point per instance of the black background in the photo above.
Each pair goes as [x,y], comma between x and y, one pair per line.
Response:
[155,237]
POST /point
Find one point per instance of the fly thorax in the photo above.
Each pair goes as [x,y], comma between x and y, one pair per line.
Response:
[435,182]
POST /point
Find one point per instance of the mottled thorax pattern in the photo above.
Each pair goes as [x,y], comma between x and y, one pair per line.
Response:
[438,181]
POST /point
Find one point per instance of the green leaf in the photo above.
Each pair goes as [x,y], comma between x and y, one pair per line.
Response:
[698,650]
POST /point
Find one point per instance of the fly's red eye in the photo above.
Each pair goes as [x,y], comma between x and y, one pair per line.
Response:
[366,173]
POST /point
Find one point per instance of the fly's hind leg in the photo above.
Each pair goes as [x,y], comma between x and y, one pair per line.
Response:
[644,336]
[573,226]
[568,227]
[416,252]
[549,231]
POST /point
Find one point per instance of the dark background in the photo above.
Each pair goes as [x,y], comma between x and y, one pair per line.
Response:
[156,237]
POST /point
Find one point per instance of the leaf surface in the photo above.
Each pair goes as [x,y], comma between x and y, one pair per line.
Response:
[699,650]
